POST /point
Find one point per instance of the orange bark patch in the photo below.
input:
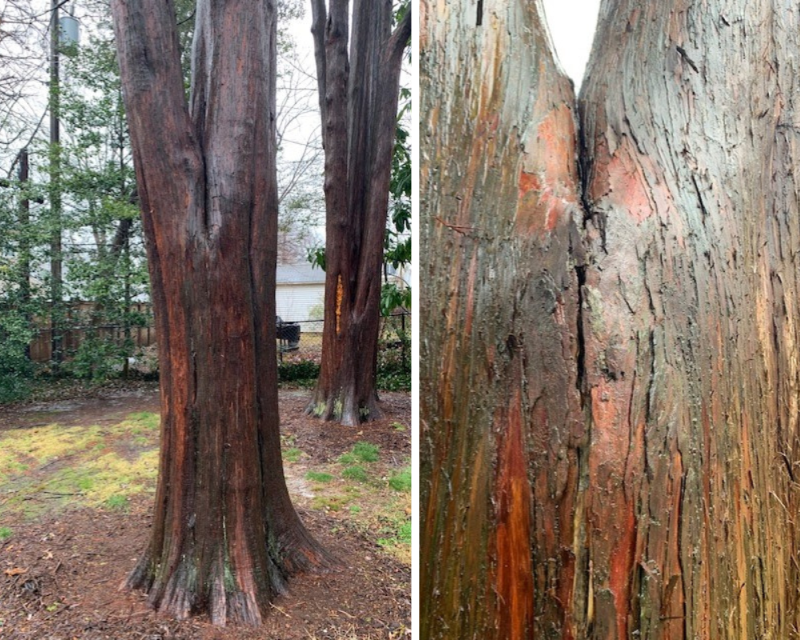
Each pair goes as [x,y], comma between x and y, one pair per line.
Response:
[514,578]
[547,182]
[622,180]
[339,296]
[528,182]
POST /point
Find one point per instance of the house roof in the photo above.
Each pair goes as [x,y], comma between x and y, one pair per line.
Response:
[301,273]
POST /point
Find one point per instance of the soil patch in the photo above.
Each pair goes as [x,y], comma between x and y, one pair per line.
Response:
[61,567]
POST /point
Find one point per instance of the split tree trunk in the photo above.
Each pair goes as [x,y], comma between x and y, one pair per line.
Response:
[610,378]
[225,535]
[358,93]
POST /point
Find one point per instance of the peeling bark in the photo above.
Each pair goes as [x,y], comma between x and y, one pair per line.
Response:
[225,536]
[630,335]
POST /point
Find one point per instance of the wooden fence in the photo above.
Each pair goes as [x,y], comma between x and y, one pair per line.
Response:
[77,328]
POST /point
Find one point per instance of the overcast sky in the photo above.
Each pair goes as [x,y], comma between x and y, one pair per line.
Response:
[572,24]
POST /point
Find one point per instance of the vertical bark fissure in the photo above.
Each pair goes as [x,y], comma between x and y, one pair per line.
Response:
[683,323]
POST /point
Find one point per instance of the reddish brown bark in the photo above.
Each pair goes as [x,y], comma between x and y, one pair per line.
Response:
[504,444]
[225,535]
[358,92]
[609,380]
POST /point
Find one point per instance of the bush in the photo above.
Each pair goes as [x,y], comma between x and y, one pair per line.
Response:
[394,359]
[302,374]
[15,367]
[394,374]
[97,359]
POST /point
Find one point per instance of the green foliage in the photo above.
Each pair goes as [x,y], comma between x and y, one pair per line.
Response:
[97,358]
[347,458]
[401,480]
[5,533]
[394,296]
[16,332]
[395,292]
[356,472]
[99,185]
[316,256]
[394,362]
[301,374]
[366,451]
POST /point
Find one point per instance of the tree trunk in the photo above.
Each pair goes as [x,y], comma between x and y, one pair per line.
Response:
[24,247]
[358,101]
[225,535]
[609,393]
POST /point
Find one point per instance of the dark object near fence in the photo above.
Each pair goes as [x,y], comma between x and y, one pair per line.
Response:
[288,335]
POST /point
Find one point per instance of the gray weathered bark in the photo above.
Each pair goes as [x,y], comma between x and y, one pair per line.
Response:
[610,369]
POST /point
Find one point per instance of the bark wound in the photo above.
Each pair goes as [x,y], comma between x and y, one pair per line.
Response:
[339,296]
[547,185]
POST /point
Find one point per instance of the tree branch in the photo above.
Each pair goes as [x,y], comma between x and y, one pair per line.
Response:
[400,39]
[318,31]
[149,59]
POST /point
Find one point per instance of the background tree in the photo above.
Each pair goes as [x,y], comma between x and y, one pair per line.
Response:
[609,374]
[101,238]
[206,181]
[22,62]
[358,92]
[103,244]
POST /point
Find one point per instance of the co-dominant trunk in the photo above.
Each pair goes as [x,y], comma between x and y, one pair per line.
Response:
[609,362]
[358,94]
[225,536]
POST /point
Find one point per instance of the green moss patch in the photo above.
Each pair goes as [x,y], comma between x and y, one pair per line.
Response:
[51,467]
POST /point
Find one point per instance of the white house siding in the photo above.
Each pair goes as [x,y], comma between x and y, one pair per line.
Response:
[295,301]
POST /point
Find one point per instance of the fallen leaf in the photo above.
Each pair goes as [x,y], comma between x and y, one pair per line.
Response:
[16,571]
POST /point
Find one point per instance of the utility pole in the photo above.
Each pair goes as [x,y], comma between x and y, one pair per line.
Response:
[25,241]
[56,284]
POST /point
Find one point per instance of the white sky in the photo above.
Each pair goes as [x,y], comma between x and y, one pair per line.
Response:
[572,24]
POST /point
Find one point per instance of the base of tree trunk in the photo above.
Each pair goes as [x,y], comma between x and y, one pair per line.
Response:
[225,604]
[344,407]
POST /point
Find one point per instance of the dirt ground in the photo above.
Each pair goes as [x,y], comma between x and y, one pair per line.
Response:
[63,557]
